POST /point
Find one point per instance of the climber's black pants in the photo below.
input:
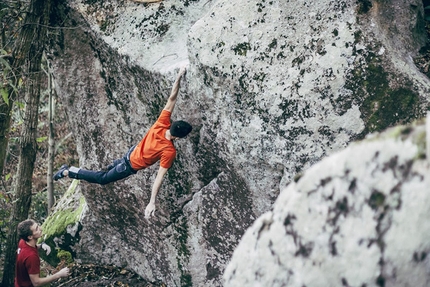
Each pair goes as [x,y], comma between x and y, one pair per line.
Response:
[119,169]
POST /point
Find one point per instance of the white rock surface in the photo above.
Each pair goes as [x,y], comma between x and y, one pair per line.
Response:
[357,218]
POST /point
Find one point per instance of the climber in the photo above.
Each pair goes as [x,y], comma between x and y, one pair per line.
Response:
[27,271]
[156,145]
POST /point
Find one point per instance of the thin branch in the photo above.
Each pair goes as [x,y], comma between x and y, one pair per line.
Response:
[7,193]
[165,56]
[52,27]
[62,140]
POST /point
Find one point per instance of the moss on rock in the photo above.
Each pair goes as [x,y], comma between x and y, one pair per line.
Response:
[385,106]
[384,102]
[56,224]
[65,256]
[61,228]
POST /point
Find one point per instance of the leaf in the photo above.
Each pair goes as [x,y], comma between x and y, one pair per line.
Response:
[41,139]
[5,96]
[7,176]
[20,105]
[20,83]
[13,86]
[5,63]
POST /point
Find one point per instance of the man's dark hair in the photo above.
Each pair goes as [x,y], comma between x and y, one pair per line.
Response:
[24,229]
[180,129]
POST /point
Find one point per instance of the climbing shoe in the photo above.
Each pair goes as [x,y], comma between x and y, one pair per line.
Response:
[59,174]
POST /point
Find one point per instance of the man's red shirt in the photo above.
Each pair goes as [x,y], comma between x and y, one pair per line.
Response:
[27,262]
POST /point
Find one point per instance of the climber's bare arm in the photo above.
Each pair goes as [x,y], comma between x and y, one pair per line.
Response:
[175,90]
[150,208]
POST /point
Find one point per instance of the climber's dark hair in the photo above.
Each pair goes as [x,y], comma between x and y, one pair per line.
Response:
[180,129]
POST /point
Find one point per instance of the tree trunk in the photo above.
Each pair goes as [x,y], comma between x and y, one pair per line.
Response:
[51,142]
[28,147]
[30,48]
[5,116]
[4,107]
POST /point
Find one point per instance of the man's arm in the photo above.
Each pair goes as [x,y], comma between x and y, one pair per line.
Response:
[174,93]
[37,281]
[150,208]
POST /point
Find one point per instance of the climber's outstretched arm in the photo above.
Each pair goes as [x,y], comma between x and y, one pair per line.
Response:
[175,89]
[150,208]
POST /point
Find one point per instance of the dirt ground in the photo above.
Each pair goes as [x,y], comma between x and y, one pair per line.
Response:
[91,275]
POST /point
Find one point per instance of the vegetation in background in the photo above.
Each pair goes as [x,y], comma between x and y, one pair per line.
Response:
[12,120]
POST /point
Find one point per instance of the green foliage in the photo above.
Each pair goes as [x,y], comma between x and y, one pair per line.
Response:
[39,204]
[4,95]
[65,256]
[20,105]
[57,223]
[9,82]
[11,19]
[41,139]
[5,213]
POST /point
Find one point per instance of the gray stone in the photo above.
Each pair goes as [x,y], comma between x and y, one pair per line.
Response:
[272,87]
[357,218]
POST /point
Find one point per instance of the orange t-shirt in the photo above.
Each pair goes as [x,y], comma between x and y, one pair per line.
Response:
[154,146]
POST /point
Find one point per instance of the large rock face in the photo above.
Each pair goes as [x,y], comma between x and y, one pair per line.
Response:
[358,218]
[271,88]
